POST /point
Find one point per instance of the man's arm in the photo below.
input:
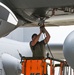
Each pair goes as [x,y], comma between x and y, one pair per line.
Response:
[47,36]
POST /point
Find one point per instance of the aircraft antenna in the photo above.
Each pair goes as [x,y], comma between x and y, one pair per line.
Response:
[19,54]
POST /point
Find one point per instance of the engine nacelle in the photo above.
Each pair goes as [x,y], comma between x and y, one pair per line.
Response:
[11,65]
[8,20]
[68,49]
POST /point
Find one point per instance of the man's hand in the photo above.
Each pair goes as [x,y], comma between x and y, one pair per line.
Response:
[42,29]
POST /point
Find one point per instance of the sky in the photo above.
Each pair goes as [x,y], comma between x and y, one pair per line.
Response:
[59,34]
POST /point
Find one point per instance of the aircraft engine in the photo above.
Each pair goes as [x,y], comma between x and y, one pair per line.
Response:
[68,49]
[11,65]
[8,20]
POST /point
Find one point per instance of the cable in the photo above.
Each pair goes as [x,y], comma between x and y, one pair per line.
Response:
[49,49]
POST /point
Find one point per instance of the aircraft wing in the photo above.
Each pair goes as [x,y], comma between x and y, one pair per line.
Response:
[28,13]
